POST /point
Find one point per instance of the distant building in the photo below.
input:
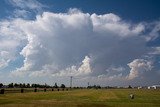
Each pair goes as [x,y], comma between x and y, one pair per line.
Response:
[139,87]
[154,87]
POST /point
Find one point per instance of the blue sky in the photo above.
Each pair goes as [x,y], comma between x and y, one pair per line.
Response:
[105,42]
[133,10]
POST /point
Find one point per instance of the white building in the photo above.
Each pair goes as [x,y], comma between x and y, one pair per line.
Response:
[139,87]
[154,87]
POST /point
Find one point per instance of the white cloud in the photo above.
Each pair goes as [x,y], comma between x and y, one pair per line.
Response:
[41,73]
[4,58]
[50,26]
[115,69]
[11,38]
[58,44]
[111,23]
[21,13]
[113,72]
[26,9]
[111,77]
[156,51]
[139,67]
[85,68]
[47,70]
[27,4]
[154,28]
[51,70]
[55,35]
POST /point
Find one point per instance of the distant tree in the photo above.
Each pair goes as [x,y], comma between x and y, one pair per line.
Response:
[16,85]
[23,85]
[47,86]
[55,85]
[33,86]
[98,86]
[10,85]
[39,86]
[89,87]
[63,86]
[129,86]
[94,87]
[1,85]
[28,85]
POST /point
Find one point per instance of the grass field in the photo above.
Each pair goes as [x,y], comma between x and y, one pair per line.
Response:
[83,98]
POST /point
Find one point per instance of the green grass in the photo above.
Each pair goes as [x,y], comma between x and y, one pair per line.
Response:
[83,98]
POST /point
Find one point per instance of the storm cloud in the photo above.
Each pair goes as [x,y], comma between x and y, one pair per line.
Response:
[76,44]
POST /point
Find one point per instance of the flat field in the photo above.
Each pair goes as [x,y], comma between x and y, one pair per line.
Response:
[83,98]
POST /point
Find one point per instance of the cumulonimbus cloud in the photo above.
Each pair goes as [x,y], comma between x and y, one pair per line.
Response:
[139,67]
[75,43]
[67,35]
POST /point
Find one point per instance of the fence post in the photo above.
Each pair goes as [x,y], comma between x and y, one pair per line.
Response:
[35,90]
[45,90]
[2,91]
[22,90]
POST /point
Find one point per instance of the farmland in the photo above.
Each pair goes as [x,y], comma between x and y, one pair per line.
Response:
[83,98]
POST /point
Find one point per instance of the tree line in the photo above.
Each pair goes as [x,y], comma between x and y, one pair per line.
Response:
[23,85]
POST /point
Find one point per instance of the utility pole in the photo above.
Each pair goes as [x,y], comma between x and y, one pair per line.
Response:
[71,82]
[88,86]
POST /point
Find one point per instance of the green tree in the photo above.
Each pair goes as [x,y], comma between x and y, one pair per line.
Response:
[23,85]
[28,85]
[1,85]
[10,85]
[129,86]
[20,85]
[55,85]
[16,85]
[63,86]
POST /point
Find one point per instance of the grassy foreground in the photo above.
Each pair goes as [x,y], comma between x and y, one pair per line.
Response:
[83,98]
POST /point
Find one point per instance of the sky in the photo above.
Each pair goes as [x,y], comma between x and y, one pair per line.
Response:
[107,42]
